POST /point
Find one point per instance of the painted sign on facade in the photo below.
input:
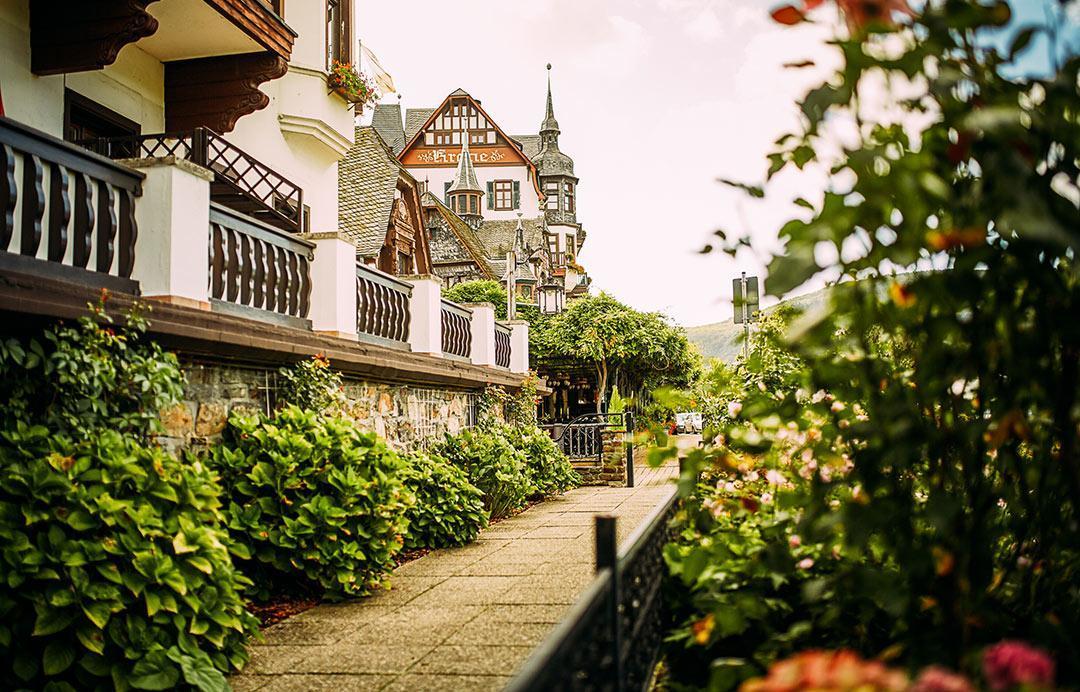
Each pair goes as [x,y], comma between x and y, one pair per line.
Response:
[498,155]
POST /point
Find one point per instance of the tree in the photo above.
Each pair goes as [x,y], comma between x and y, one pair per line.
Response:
[630,348]
[480,291]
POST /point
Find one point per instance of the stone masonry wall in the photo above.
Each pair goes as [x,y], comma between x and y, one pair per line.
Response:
[613,469]
[406,417]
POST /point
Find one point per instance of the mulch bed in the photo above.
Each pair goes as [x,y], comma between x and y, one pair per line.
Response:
[282,608]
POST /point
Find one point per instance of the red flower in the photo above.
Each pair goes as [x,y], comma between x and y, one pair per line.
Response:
[939,679]
[1011,663]
[788,14]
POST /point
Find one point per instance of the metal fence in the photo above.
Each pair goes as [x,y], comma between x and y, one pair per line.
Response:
[582,439]
[610,639]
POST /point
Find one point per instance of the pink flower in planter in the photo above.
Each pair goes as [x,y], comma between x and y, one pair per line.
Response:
[940,679]
[1010,663]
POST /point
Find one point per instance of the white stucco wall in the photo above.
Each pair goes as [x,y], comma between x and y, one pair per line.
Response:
[530,208]
[133,86]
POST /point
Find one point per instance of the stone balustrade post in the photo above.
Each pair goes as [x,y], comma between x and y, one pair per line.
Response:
[333,284]
[483,333]
[173,246]
[425,314]
[519,346]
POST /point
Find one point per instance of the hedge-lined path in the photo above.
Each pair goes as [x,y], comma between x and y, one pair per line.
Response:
[458,619]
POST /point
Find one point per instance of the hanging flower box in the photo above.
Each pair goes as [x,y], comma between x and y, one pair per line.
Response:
[350,84]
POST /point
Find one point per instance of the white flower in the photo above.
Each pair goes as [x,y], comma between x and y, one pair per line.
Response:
[734,408]
[837,406]
[766,498]
[819,396]
[752,476]
[774,477]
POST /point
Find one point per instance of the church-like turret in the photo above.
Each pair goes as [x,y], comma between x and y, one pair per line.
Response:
[555,169]
[465,192]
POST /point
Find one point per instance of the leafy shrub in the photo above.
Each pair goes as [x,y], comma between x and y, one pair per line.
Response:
[548,470]
[493,465]
[318,502]
[449,510]
[310,384]
[115,563]
[94,374]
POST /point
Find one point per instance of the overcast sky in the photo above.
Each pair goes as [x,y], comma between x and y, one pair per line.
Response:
[655,98]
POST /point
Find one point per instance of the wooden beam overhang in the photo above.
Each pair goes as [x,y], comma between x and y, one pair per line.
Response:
[216,92]
[80,35]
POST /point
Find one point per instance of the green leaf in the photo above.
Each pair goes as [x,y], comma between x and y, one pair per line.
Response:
[98,612]
[57,657]
[52,620]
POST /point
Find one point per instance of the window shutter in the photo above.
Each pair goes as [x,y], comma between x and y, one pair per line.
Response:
[517,195]
[490,195]
[446,193]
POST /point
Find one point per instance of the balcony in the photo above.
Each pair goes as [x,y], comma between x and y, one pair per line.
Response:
[456,330]
[382,307]
[66,212]
[241,182]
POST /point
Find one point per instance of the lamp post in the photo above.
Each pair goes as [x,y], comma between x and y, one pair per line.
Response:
[551,298]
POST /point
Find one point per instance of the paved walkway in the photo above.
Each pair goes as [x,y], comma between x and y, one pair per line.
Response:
[458,619]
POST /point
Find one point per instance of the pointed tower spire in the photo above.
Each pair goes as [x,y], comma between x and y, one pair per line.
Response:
[465,177]
[550,124]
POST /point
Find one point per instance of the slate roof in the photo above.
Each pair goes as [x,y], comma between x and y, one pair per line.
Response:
[367,180]
[465,177]
[414,120]
[387,122]
[530,145]
[523,273]
[498,236]
[463,232]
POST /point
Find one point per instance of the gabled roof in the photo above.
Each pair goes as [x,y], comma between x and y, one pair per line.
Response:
[498,236]
[414,121]
[463,232]
[386,119]
[530,145]
[367,179]
[411,139]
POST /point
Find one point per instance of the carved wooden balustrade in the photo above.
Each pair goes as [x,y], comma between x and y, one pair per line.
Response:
[257,266]
[241,182]
[382,306]
[67,206]
[456,330]
[502,345]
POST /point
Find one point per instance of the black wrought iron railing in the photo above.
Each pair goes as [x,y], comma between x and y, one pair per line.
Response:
[241,182]
[582,439]
[257,266]
[456,330]
[610,639]
[66,206]
[382,305]
[502,345]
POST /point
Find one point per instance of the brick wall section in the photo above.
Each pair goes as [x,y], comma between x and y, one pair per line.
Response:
[612,471]
[402,415]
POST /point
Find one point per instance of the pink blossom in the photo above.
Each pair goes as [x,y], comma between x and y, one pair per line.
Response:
[805,563]
[766,498]
[1011,663]
[794,541]
[734,408]
[939,679]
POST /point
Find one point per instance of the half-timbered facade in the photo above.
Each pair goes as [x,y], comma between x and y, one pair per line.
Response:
[525,196]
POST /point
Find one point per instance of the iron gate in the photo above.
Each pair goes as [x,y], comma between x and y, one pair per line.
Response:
[582,439]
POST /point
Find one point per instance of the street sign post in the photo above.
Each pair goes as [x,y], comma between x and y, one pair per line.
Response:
[745,297]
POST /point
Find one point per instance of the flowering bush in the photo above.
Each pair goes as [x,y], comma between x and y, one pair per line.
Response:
[1011,664]
[448,511]
[828,671]
[947,469]
[352,84]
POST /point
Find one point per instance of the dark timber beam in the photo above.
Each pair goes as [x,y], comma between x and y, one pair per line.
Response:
[216,92]
[80,35]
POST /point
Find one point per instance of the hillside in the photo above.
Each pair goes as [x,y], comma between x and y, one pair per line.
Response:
[723,340]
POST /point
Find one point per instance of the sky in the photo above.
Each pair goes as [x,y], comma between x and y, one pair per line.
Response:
[656,100]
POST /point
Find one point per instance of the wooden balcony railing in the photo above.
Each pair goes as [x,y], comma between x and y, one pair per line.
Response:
[241,182]
[382,305]
[456,330]
[257,266]
[67,206]
[502,345]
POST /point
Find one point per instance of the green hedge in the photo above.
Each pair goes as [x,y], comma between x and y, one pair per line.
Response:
[449,510]
[319,502]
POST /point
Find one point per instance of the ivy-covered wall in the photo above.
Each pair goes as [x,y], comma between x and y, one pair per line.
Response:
[405,416]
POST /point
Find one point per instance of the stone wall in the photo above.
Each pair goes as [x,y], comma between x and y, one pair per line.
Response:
[406,417]
[612,470]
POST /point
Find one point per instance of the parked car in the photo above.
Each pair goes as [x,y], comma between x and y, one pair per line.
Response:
[688,422]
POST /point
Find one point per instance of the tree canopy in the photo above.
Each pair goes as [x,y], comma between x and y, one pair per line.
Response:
[482,291]
[637,351]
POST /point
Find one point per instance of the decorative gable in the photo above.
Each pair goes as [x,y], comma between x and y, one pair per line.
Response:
[437,144]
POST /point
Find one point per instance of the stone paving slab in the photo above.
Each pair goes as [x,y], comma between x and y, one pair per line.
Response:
[457,619]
